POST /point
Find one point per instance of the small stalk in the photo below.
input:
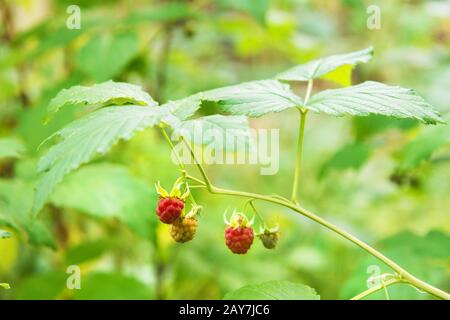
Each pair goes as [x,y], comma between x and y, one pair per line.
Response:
[199,166]
[379,287]
[180,163]
[298,161]
[301,133]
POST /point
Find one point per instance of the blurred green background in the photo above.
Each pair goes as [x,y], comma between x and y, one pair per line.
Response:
[387,181]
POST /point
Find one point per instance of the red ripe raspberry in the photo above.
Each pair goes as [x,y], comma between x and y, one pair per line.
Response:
[169,209]
[239,239]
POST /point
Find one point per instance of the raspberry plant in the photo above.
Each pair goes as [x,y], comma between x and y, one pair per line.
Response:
[116,111]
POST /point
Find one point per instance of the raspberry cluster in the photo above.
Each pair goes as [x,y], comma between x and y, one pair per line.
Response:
[239,234]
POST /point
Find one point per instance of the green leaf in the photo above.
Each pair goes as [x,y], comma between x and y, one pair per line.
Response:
[15,212]
[353,155]
[256,8]
[254,99]
[105,190]
[5,234]
[105,55]
[184,108]
[170,12]
[217,132]
[101,95]
[88,137]
[320,67]
[11,148]
[39,234]
[274,290]
[112,286]
[422,147]
[45,286]
[88,251]
[374,98]
[365,127]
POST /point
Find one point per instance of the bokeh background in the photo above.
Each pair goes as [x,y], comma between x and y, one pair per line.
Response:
[387,181]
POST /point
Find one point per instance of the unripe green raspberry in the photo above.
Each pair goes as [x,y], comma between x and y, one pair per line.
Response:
[269,239]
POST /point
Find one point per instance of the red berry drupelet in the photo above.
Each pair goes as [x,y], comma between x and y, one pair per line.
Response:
[239,239]
[169,209]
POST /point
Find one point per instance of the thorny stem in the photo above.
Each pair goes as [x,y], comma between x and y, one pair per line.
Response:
[402,274]
[301,133]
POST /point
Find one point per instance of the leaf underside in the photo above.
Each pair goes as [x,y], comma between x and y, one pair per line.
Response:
[318,68]
[87,137]
[101,95]
[231,133]
[253,99]
[374,98]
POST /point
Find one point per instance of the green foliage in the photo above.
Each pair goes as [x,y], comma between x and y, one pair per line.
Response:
[353,155]
[217,131]
[95,59]
[44,286]
[88,251]
[100,95]
[110,191]
[374,98]
[255,98]
[15,207]
[320,67]
[423,146]
[274,290]
[102,216]
[112,286]
[257,8]
[406,248]
[88,137]
[367,127]
[11,148]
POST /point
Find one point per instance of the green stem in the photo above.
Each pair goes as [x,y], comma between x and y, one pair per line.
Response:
[199,166]
[403,275]
[298,160]
[379,287]
[301,132]
[180,163]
